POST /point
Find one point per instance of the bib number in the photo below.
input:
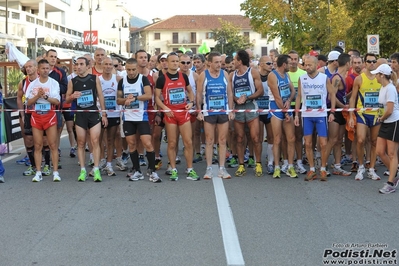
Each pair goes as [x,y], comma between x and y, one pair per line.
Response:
[177,96]
[217,102]
[110,102]
[242,91]
[86,99]
[285,93]
[371,99]
[42,108]
[313,102]
[263,102]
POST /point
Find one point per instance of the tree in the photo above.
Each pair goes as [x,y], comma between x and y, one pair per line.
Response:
[374,17]
[300,24]
[229,38]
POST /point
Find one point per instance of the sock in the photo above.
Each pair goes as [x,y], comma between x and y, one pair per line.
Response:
[39,172]
[312,169]
[91,156]
[134,156]
[299,161]
[390,183]
[83,169]
[290,165]
[47,155]
[322,168]
[361,166]
[109,164]
[56,173]
[285,162]
[277,167]
[31,156]
[189,169]
[158,158]
[337,165]
[371,169]
[151,160]
[270,153]
[95,168]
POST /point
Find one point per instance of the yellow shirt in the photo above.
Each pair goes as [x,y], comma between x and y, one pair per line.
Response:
[368,95]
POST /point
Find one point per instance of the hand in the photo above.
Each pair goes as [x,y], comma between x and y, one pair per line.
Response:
[287,117]
[351,122]
[231,116]
[189,105]
[104,120]
[76,94]
[200,116]
[169,113]
[331,117]
[287,105]
[296,121]
[158,120]
[242,99]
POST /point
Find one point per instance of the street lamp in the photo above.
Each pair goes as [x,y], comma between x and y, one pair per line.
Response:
[120,25]
[81,9]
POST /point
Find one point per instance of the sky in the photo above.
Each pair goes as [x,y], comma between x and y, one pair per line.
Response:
[164,9]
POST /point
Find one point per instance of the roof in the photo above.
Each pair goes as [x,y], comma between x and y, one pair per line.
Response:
[197,22]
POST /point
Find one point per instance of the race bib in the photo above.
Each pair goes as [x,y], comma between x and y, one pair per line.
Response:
[86,99]
[285,93]
[135,104]
[243,91]
[313,102]
[110,102]
[217,102]
[263,102]
[371,99]
[177,96]
[42,108]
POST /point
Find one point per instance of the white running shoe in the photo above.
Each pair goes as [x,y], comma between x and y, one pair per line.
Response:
[208,173]
[360,174]
[37,178]
[372,175]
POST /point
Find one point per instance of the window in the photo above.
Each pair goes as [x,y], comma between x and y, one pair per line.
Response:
[246,35]
[264,51]
[175,37]
[193,37]
[157,36]
[209,35]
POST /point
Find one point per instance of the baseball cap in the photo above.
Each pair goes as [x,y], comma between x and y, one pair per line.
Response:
[383,69]
[164,56]
[333,55]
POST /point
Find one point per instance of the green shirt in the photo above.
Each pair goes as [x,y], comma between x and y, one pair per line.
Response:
[294,76]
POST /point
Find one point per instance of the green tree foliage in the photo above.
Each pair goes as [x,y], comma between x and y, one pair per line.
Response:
[229,39]
[374,17]
[300,24]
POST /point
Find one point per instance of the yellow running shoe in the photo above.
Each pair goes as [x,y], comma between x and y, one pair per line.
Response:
[241,170]
[258,170]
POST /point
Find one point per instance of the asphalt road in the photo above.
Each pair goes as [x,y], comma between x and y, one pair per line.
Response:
[241,221]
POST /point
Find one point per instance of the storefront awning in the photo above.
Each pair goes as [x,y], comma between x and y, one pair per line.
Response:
[17,41]
[63,53]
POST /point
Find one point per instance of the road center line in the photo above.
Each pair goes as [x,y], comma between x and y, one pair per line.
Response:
[231,243]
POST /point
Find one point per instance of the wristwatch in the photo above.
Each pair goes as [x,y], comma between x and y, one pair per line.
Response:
[45,97]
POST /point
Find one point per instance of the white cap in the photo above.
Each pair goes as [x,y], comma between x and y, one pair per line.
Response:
[164,56]
[383,69]
[333,55]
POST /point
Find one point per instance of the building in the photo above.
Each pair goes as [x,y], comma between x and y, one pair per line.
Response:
[59,24]
[190,31]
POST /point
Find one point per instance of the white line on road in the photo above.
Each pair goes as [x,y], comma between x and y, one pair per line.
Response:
[231,243]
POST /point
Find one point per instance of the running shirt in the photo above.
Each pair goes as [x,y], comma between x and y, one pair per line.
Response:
[25,84]
[314,94]
[173,90]
[243,84]
[109,88]
[263,101]
[87,86]
[192,82]
[95,72]
[368,95]
[283,84]
[389,94]
[341,94]
[327,72]
[137,110]
[215,93]
[51,88]
[294,77]
[151,103]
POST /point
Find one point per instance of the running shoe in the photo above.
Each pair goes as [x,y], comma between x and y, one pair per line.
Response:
[367,164]
[300,168]
[82,176]
[346,160]
[251,163]
[168,170]
[215,159]
[103,164]
[372,175]
[178,160]
[223,173]
[109,170]
[158,164]
[37,178]
[387,189]
[291,172]
[258,170]
[142,160]
[396,182]
[233,163]
[317,163]
[284,168]
[208,173]
[72,153]
[270,169]
[23,160]
[97,176]
[360,174]
[30,171]
[355,167]
[311,175]
[91,162]
[136,176]
[2,179]
[59,165]
[154,178]
[276,173]
[59,152]
[46,170]
[241,170]
[386,173]
[197,158]
[56,178]
[120,164]
[173,176]
[125,157]
[192,175]
[340,171]
[323,175]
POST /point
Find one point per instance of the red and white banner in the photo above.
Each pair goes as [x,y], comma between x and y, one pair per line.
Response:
[94,37]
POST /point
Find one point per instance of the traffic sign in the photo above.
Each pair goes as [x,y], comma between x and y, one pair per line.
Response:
[341,44]
[373,44]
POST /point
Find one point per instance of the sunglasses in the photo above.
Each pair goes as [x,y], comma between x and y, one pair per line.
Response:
[185,62]
[269,63]
[371,61]
[116,65]
[172,53]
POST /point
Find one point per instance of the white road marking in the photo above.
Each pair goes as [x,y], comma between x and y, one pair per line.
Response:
[231,243]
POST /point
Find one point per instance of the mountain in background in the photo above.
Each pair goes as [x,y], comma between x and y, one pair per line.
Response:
[136,22]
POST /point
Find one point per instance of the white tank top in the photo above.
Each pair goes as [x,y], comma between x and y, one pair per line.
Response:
[110,88]
[314,94]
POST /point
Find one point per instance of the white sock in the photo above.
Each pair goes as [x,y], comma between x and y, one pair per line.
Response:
[270,153]
[285,162]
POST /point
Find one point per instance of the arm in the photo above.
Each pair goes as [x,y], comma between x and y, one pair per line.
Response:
[70,95]
[63,82]
[336,85]
[100,97]
[258,85]
[200,88]
[298,103]
[388,111]
[20,94]
[355,90]
[272,83]
[230,97]
[190,95]
[331,92]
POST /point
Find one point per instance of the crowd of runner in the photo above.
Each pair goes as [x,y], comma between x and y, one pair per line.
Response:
[116,109]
